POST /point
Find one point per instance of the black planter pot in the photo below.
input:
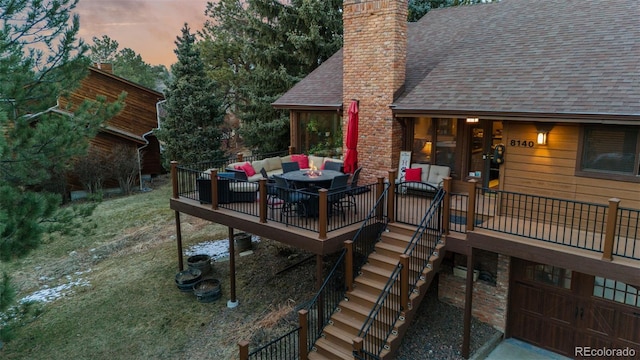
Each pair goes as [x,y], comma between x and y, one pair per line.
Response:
[201,262]
[207,290]
[187,278]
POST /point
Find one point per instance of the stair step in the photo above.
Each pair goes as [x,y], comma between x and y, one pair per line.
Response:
[397,239]
[330,351]
[347,322]
[341,337]
[383,261]
[355,310]
[390,250]
[399,228]
[375,272]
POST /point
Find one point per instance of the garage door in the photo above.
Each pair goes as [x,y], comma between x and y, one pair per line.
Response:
[571,313]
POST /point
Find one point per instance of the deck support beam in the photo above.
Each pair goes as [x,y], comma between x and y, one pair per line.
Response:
[233,302]
[468,299]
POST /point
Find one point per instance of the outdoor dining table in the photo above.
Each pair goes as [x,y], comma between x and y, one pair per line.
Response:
[311,182]
[309,179]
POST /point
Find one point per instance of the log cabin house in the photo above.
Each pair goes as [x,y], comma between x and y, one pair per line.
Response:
[132,127]
[535,108]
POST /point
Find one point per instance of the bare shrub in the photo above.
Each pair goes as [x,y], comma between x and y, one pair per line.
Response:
[124,166]
[91,171]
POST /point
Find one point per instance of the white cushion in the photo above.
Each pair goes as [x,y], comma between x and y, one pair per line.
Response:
[437,173]
[424,175]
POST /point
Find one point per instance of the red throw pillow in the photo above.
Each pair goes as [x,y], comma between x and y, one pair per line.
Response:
[301,159]
[412,174]
[248,169]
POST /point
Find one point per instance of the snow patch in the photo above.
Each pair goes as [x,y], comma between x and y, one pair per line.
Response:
[216,249]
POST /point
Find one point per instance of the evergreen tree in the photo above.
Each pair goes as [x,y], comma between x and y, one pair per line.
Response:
[128,64]
[259,49]
[194,114]
[41,59]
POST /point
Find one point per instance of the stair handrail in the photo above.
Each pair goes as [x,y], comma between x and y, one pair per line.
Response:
[424,241]
[379,341]
[326,300]
[335,279]
[377,221]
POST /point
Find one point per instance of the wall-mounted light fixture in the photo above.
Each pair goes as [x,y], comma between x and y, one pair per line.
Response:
[542,130]
[472,120]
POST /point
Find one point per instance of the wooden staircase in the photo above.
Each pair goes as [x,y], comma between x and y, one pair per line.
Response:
[337,337]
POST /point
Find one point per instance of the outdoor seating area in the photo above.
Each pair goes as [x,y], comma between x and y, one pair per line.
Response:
[423,177]
[277,165]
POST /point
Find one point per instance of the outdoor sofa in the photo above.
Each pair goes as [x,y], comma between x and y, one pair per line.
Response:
[273,166]
[418,175]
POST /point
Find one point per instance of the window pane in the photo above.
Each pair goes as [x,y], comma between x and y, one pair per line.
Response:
[422,140]
[446,143]
[609,149]
[320,133]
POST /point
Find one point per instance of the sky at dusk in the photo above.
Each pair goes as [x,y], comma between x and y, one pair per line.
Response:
[148,27]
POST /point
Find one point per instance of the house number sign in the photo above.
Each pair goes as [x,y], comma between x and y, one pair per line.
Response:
[522,143]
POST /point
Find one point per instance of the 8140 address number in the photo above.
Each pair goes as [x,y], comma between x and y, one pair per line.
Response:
[522,143]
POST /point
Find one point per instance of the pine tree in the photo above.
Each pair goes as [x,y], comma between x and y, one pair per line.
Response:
[258,49]
[41,59]
[194,114]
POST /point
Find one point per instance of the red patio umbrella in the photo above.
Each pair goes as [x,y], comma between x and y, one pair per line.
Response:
[351,154]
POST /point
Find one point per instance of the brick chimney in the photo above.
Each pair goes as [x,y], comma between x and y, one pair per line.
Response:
[374,61]
[106,67]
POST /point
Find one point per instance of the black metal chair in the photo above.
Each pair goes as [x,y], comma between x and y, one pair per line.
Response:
[293,200]
[336,194]
[290,166]
[272,192]
[333,165]
[354,190]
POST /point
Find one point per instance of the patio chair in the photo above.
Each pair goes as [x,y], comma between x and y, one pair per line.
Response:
[354,190]
[336,194]
[290,166]
[333,165]
[272,192]
[293,200]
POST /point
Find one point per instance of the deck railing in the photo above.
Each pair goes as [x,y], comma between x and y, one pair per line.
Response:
[202,183]
[606,229]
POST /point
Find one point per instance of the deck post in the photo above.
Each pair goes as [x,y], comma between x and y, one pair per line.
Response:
[610,234]
[239,157]
[391,196]
[244,350]
[233,302]
[214,189]
[303,320]
[357,345]
[404,282]
[471,205]
[446,211]
[263,200]
[174,178]
[379,191]
[319,281]
[468,299]
[348,264]
[174,185]
[292,149]
[323,213]
[179,241]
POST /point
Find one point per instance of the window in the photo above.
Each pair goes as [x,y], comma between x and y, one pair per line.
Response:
[548,274]
[610,152]
[320,133]
[616,291]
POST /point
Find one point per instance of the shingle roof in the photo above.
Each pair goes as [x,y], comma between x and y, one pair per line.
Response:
[517,56]
[321,88]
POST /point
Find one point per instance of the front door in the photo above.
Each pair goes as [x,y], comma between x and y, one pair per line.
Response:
[484,136]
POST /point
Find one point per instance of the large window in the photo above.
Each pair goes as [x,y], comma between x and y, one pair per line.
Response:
[320,133]
[610,152]
[436,149]
[616,291]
